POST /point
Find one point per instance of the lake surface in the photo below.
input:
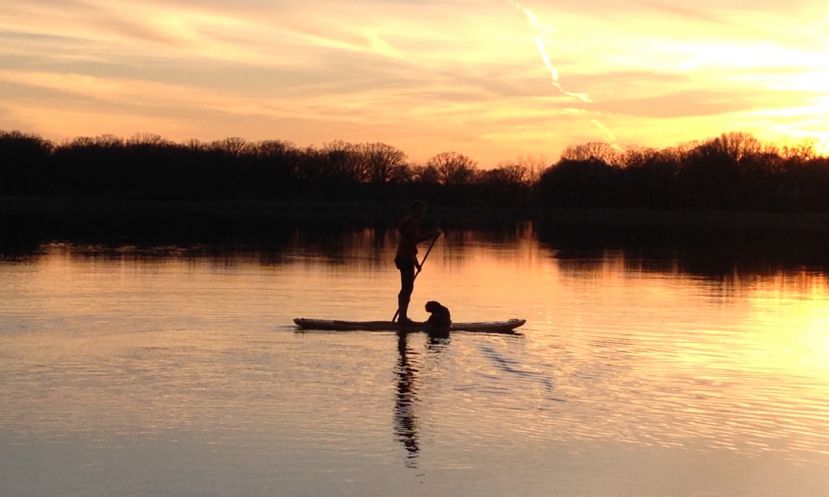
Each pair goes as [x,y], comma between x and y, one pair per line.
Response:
[176,370]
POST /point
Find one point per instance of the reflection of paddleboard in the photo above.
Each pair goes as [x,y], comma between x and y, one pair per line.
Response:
[330,324]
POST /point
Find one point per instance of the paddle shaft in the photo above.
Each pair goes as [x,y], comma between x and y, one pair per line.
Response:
[419,269]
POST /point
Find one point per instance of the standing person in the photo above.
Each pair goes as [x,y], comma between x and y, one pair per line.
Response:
[406,257]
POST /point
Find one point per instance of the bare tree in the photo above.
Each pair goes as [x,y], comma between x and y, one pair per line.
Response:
[506,174]
[736,145]
[275,148]
[341,159]
[380,162]
[804,151]
[233,146]
[453,168]
[426,174]
[148,139]
[590,151]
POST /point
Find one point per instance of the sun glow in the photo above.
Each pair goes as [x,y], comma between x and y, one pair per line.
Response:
[806,349]
[822,146]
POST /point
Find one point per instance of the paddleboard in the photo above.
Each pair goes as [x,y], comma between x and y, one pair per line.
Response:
[508,326]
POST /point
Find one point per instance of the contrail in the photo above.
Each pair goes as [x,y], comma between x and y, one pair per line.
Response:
[608,134]
[542,50]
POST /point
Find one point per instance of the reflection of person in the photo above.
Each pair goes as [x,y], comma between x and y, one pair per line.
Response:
[407,396]
[405,421]
[406,257]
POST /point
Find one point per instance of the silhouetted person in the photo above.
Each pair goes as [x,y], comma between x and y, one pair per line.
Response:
[406,257]
[439,319]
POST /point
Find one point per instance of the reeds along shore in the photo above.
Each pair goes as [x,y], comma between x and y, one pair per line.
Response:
[733,172]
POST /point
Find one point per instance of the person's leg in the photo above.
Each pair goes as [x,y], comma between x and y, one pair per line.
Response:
[406,288]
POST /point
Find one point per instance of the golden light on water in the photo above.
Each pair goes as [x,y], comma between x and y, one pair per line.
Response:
[804,348]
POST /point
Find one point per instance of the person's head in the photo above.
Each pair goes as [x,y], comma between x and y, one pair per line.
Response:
[418,208]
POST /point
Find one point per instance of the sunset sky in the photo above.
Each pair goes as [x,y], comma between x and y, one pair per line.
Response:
[496,80]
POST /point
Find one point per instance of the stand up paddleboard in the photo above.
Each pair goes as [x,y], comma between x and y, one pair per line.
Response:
[336,325]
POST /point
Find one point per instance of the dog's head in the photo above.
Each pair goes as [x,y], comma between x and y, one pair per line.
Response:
[433,306]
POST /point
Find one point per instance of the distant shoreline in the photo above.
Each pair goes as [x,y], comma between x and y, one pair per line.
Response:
[227,178]
[32,212]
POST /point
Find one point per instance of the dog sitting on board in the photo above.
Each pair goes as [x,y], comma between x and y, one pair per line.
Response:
[439,317]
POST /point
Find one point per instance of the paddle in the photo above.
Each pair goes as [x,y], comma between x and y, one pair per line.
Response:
[419,269]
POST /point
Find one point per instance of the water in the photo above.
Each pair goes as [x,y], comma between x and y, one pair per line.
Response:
[146,371]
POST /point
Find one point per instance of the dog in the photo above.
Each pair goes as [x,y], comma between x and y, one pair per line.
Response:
[439,316]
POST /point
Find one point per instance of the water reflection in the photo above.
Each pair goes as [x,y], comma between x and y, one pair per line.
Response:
[407,392]
[720,252]
[405,420]
[719,249]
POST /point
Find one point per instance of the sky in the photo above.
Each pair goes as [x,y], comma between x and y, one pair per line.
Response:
[496,80]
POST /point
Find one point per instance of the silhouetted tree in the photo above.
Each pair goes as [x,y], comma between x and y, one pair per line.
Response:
[709,176]
[381,163]
[427,174]
[506,185]
[735,145]
[580,183]
[453,168]
[591,152]
[731,171]
[23,163]
[649,178]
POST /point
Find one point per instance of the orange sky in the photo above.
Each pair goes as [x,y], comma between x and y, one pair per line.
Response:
[495,80]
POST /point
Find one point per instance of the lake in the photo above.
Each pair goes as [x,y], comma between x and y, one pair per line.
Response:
[148,370]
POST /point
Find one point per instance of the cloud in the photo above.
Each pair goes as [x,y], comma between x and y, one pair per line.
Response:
[681,104]
[697,13]
[21,39]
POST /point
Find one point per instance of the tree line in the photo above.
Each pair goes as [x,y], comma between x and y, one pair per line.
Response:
[734,171]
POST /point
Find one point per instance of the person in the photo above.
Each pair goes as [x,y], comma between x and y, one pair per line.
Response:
[439,317]
[406,257]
